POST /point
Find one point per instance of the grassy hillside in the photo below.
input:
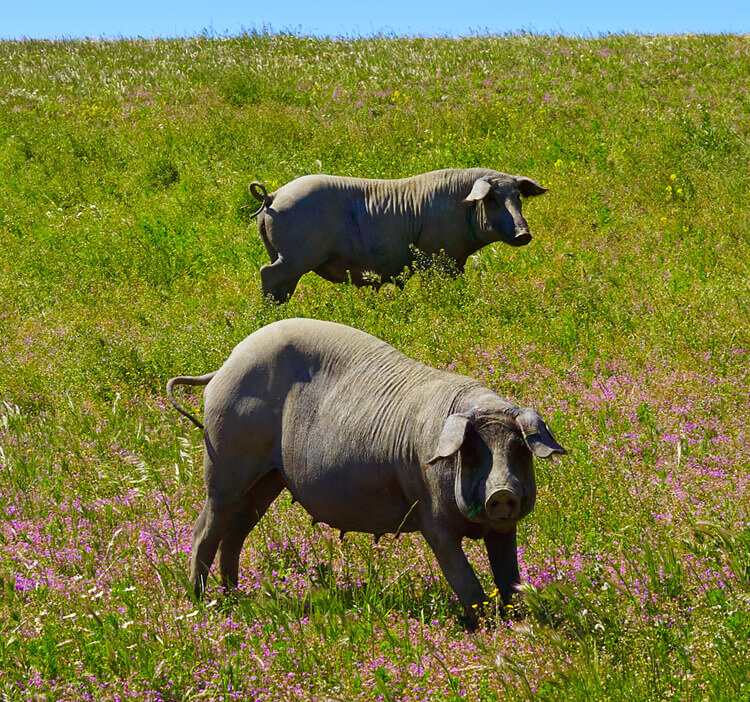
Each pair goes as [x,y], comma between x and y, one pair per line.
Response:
[128,256]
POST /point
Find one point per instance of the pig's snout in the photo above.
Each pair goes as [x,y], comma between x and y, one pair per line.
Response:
[502,504]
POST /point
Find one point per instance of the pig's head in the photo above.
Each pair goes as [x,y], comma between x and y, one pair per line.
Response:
[496,201]
[494,450]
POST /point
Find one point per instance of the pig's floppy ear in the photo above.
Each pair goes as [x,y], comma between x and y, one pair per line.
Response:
[480,191]
[536,434]
[454,433]
[528,187]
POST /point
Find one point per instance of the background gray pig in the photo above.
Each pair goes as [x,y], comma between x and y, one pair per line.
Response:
[366,439]
[367,230]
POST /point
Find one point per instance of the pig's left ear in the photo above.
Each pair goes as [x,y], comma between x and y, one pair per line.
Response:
[452,437]
[536,434]
[480,191]
[528,187]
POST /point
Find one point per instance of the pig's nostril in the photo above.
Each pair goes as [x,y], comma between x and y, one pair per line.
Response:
[502,504]
[523,236]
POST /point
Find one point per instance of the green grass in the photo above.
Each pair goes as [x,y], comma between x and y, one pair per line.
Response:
[128,257]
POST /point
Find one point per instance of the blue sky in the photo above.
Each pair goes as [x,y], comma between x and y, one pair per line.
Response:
[144,18]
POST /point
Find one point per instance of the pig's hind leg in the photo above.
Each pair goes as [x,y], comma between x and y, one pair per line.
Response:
[209,528]
[279,279]
[257,501]
[231,479]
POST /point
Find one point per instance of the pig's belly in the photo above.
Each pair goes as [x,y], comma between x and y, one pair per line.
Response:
[366,271]
[365,498]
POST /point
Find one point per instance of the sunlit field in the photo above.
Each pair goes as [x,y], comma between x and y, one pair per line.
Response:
[127,256]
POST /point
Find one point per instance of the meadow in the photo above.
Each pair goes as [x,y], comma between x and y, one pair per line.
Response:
[127,256]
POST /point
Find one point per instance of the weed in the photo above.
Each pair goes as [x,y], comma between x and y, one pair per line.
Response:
[129,257]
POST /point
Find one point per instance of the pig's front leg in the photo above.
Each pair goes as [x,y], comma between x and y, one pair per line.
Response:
[501,549]
[457,570]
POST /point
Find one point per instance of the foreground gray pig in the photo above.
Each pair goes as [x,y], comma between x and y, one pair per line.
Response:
[367,230]
[366,439]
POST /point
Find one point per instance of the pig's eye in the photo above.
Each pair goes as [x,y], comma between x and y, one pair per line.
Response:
[475,449]
[520,454]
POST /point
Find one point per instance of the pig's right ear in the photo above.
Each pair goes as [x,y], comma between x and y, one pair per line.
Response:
[454,433]
[480,191]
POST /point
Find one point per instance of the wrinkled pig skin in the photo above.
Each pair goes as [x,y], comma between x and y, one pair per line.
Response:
[365,439]
[368,231]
